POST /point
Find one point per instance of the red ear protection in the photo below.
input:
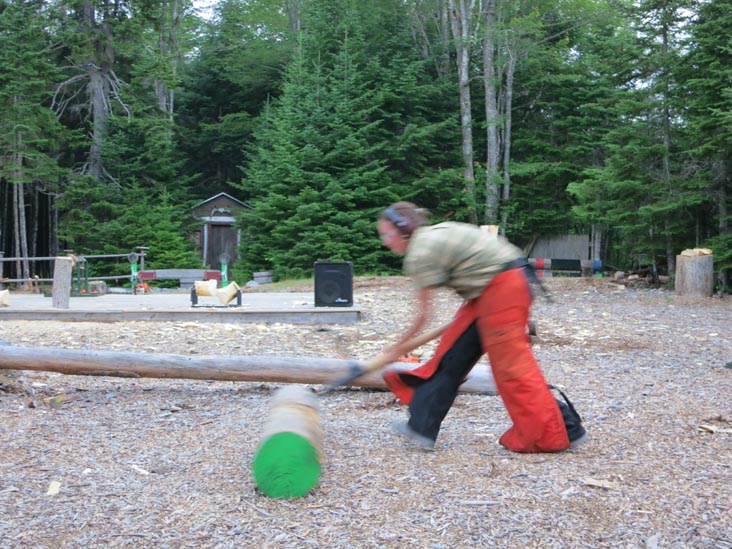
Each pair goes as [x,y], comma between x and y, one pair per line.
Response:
[402,223]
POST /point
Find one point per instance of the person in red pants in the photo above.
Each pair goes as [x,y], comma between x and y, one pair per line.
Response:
[491,276]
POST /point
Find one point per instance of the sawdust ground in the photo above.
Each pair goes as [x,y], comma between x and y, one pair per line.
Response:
[166,463]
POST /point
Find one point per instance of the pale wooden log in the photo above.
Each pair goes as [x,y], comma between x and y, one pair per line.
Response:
[287,463]
[217,368]
[295,410]
[61,291]
[694,274]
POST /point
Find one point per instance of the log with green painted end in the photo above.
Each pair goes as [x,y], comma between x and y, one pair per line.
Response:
[287,463]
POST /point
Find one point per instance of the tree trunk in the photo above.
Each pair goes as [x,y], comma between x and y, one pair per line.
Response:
[461,14]
[419,35]
[99,72]
[294,11]
[53,243]
[666,160]
[16,231]
[507,121]
[168,49]
[491,83]
[21,225]
[724,224]
[444,25]
[3,218]
[98,93]
[34,233]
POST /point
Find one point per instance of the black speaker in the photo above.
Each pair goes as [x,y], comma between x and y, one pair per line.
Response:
[333,284]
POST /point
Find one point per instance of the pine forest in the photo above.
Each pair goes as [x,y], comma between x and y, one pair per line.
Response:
[543,117]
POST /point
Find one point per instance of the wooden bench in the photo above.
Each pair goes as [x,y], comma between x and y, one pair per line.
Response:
[186,277]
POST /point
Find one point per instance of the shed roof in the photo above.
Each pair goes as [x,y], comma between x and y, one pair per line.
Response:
[225,196]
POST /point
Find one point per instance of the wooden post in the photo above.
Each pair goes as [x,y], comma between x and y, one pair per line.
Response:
[61,291]
[695,273]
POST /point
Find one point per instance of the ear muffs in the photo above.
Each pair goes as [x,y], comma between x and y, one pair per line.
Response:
[402,223]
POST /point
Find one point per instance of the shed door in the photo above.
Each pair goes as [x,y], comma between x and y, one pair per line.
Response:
[222,238]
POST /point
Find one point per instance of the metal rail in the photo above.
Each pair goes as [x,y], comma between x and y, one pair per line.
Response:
[84,258]
[111,277]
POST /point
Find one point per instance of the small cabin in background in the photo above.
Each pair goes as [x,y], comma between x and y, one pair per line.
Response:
[217,238]
[568,246]
[579,253]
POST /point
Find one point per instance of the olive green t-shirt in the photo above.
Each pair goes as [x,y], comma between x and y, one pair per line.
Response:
[459,256]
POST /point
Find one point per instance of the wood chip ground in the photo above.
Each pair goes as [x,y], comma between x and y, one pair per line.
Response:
[160,463]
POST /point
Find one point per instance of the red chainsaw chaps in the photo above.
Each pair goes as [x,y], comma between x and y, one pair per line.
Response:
[502,313]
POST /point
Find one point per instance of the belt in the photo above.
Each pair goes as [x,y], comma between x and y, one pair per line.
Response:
[518,263]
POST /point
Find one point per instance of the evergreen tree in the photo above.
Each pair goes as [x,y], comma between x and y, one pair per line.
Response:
[311,171]
[153,220]
[238,67]
[565,91]
[318,174]
[133,137]
[30,135]
[639,193]
[417,117]
[709,102]
[132,216]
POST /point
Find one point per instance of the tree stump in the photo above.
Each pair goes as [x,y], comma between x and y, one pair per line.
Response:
[287,463]
[695,273]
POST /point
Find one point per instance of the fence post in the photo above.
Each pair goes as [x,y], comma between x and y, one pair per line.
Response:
[61,291]
[142,256]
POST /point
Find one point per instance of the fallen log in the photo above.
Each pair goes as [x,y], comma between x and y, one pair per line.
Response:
[215,368]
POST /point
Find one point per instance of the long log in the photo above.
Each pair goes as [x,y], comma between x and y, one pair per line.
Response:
[216,368]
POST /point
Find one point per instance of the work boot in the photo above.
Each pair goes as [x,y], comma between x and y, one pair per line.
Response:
[402,428]
[572,421]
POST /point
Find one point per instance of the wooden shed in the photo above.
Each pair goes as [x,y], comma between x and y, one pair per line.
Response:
[217,234]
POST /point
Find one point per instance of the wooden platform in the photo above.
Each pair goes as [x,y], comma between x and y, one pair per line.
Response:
[289,308]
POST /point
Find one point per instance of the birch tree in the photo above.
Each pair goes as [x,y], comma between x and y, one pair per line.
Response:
[492,119]
[510,29]
[461,20]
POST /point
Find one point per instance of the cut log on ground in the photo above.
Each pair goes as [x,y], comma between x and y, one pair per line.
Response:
[216,368]
[287,463]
